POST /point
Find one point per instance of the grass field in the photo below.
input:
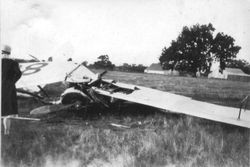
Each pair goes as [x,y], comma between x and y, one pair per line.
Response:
[153,138]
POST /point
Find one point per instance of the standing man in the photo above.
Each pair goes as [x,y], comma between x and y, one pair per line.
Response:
[10,75]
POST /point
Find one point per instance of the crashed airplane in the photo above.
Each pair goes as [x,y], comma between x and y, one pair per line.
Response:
[86,87]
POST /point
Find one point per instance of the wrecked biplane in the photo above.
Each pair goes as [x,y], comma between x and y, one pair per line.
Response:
[86,87]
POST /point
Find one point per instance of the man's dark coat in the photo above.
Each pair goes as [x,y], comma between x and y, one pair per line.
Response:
[10,75]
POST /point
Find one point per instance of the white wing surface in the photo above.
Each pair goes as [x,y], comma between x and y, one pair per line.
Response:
[41,73]
[181,104]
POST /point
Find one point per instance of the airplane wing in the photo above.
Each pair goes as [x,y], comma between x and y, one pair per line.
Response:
[179,104]
[41,73]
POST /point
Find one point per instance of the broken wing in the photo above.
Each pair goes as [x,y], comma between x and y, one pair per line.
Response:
[180,104]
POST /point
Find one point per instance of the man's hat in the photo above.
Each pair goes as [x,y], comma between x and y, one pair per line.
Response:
[6,50]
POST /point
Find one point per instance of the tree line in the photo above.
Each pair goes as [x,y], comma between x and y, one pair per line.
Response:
[103,62]
[195,50]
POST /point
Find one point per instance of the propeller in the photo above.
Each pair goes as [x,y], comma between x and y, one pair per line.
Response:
[47,109]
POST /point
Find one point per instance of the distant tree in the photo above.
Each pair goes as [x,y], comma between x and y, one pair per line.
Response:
[103,63]
[236,63]
[195,49]
[131,68]
[137,68]
[191,51]
[224,49]
[125,67]
[246,69]
[239,63]
[50,59]
[140,68]
[104,58]
[85,63]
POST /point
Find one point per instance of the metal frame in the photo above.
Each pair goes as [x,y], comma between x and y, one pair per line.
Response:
[243,104]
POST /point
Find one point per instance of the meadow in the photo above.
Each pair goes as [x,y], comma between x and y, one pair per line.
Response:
[150,138]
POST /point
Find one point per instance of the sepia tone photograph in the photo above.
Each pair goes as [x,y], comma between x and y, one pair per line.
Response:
[125,83]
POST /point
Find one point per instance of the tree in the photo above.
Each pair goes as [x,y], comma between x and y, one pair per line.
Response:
[131,68]
[234,63]
[246,69]
[241,64]
[224,49]
[195,49]
[103,63]
[85,63]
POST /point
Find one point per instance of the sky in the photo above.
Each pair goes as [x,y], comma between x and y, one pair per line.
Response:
[129,31]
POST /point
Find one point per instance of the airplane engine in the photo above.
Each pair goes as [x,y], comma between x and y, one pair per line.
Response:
[72,95]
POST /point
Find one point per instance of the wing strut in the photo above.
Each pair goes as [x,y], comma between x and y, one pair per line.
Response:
[243,104]
[43,91]
[34,57]
[70,73]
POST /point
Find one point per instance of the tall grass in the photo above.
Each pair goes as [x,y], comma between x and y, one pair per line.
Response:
[158,140]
